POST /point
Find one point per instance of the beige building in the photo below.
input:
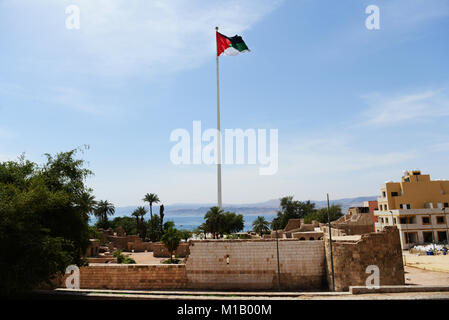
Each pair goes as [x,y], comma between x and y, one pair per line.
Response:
[417,206]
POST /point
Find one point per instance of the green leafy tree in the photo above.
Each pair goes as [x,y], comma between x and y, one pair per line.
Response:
[201,229]
[171,240]
[185,234]
[151,198]
[320,215]
[43,220]
[232,222]
[291,209]
[153,228]
[217,222]
[261,225]
[127,223]
[104,209]
[167,225]
[161,215]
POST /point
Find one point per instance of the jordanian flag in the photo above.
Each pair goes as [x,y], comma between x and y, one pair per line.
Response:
[230,46]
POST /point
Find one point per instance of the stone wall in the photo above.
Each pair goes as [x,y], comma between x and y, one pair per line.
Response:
[310,235]
[352,257]
[93,249]
[160,251]
[140,246]
[252,265]
[132,277]
[102,260]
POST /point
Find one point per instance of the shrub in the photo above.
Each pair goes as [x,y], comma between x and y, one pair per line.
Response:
[122,259]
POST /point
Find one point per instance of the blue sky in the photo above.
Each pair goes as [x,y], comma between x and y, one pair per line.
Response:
[354,107]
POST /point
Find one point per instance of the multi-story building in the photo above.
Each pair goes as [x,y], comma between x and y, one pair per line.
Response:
[417,206]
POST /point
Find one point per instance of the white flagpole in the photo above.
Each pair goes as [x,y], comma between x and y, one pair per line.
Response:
[218,139]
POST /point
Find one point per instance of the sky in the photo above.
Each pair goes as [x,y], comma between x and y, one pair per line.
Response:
[353,107]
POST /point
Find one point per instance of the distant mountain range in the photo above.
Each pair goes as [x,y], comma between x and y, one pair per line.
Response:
[261,208]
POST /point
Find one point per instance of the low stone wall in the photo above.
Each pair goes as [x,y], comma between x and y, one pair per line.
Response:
[140,246]
[308,235]
[160,251]
[252,265]
[102,260]
[352,257]
[132,277]
[121,242]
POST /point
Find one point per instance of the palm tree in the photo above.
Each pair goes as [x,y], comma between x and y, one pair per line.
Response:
[214,221]
[151,198]
[260,225]
[102,210]
[87,204]
[140,212]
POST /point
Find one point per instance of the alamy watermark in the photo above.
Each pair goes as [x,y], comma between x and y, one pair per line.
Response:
[372,22]
[73,19]
[250,146]
[373,281]
[73,280]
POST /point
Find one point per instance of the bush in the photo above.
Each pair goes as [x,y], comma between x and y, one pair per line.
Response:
[122,259]
[171,261]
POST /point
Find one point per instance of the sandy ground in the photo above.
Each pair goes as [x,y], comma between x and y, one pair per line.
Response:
[415,276]
[144,257]
[431,263]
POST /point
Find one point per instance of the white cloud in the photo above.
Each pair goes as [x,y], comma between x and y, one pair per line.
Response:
[154,37]
[389,110]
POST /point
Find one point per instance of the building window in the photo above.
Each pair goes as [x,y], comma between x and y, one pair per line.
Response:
[394,221]
[381,220]
[428,236]
[410,237]
[446,204]
[394,194]
[440,220]
[386,220]
[409,206]
[442,236]
[384,194]
[403,220]
[385,207]
[425,220]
